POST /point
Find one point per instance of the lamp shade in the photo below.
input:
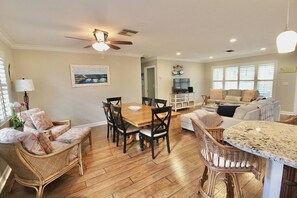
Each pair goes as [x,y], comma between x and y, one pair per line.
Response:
[286,41]
[100,46]
[24,85]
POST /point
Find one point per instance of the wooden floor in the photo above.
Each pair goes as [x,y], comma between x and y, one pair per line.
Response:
[110,173]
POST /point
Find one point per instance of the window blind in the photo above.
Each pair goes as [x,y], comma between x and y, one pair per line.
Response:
[5,110]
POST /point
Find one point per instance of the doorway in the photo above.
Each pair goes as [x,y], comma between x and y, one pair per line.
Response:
[150,81]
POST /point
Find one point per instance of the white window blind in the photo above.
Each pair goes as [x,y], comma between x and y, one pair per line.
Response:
[265,79]
[231,77]
[5,109]
[217,76]
[246,77]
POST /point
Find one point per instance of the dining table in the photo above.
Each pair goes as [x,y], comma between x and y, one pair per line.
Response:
[141,116]
[277,142]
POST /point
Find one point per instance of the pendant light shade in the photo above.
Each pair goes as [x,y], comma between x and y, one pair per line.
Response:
[286,41]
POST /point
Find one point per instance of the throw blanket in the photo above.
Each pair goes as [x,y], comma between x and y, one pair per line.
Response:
[266,110]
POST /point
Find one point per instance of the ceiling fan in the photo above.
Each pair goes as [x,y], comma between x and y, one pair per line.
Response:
[101,43]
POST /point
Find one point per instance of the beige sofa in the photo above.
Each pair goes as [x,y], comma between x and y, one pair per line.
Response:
[257,110]
[232,96]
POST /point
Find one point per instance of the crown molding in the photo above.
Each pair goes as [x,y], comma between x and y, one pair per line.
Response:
[5,39]
[179,59]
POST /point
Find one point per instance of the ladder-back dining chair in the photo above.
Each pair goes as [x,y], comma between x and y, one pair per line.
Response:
[147,101]
[159,128]
[115,100]
[160,103]
[220,158]
[110,122]
[122,127]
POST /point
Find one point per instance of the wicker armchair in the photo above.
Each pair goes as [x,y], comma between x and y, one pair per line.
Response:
[38,171]
[220,158]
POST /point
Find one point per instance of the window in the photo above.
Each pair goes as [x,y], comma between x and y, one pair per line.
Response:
[5,110]
[246,76]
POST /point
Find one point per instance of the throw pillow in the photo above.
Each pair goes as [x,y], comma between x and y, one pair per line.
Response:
[233,98]
[26,116]
[211,119]
[234,92]
[41,121]
[32,145]
[249,95]
[45,142]
[240,112]
[10,135]
[216,94]
[227,110]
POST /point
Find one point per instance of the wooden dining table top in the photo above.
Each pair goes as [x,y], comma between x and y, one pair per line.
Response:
[141,117]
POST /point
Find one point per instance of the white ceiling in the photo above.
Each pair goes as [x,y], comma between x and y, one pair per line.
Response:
[196,28]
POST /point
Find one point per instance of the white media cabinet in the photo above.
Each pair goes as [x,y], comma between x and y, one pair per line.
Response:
[182,100]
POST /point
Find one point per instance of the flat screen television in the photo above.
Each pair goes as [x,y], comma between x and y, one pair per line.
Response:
[180,85]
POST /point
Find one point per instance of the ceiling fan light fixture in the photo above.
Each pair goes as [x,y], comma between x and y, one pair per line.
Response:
[100,36]
[100,46]
[286,41]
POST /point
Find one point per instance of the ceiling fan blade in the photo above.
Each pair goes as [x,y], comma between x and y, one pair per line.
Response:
[78,38]
[120,42]
[88,46]
[113,46]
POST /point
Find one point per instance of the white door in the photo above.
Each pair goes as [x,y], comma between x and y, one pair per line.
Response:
[150,81]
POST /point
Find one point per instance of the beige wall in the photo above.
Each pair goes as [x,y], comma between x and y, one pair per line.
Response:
[192,70]
[285,83]
[53,93]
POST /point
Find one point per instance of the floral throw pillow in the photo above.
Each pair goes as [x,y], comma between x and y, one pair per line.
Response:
[45,142]
[41,121]
[26,116]
[32,145]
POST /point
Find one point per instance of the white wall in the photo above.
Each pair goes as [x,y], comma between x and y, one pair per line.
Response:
[53,93]
[192,70]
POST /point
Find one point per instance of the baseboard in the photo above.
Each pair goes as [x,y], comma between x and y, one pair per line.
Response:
[91,124]
[4,177]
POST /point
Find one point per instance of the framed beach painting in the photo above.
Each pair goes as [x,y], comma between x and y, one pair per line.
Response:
[89,75]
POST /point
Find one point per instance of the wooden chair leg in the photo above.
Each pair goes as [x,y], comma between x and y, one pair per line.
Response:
[11,184]
[152,145]
[202,180]
[229,185]
[236,184]
[211,183]
[167,142]
[118,138]
[114,133]
[90,138]
[124,149]
[108,126]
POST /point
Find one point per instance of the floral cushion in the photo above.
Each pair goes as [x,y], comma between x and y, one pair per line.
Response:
[29,129]
[56,131]
[26,116]
[41,121]
[10,135]
[74,134]
[45,142]
[28,140]
[60,145]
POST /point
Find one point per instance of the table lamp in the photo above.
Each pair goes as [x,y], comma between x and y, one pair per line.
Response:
[24,85]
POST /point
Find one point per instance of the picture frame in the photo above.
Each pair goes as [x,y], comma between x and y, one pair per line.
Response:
[89,75]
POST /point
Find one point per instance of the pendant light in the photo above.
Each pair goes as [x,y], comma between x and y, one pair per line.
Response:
[286,41]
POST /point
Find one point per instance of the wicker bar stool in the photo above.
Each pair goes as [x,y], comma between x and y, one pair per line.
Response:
[289,181]
[220,158]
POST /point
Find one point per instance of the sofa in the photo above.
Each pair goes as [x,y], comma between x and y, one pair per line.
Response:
[237,96]
[268,109]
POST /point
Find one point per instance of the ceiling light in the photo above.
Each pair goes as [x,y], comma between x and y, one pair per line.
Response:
[287,40]
[263,49]
[211,57]
[100,46]
[233,40]
[100,36]
[178,53]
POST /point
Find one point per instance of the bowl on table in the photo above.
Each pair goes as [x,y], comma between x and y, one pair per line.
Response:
[134,108]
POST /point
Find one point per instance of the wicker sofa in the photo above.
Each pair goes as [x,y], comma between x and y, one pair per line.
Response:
[237,96]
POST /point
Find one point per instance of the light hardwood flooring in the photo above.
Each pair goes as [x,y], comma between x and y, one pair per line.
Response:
[110,173]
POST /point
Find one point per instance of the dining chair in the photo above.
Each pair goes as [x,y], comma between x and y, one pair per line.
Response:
[289,181]
[147,101]
[222,159]
[115,100]
[159,128]
[110,122]
[122,127]
[160,103]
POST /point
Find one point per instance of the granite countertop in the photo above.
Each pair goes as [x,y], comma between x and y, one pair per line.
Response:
[271,140]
